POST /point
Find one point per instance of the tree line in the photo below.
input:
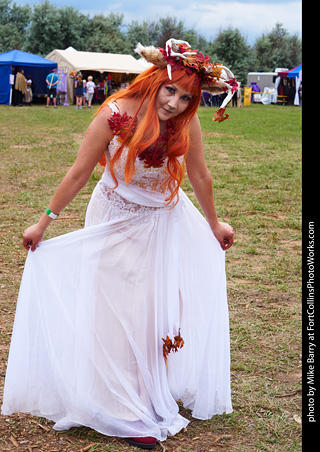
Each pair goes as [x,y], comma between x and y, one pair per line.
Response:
[44,27]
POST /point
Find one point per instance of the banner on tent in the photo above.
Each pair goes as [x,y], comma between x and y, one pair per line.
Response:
[62,87]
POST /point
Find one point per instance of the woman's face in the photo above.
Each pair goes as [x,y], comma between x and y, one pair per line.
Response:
[171,101]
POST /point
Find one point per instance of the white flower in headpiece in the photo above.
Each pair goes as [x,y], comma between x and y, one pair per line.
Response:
[173,50]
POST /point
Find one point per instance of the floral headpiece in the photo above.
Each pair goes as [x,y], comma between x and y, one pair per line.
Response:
[214,78]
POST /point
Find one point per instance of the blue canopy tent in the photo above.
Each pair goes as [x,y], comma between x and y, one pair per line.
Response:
[33,65]
[293,73]
[296,72]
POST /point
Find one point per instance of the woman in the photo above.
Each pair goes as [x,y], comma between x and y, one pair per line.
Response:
[119,320]
[78,90]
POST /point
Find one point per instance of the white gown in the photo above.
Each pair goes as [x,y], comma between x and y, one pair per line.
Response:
[94,305]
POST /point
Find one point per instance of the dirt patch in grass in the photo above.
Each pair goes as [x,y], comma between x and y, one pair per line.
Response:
[24,433]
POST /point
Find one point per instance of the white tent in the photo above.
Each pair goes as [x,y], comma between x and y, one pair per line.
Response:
[70,60]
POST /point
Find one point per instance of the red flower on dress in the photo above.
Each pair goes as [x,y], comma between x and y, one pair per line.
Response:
[120,124]
[154,156]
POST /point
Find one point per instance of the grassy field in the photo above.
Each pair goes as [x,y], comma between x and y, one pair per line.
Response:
[255,161]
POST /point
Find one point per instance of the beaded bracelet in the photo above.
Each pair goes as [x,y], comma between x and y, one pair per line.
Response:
[51,214]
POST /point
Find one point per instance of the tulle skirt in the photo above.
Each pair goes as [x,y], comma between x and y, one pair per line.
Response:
[94,307]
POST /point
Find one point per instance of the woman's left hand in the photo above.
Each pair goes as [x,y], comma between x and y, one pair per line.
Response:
[224,234]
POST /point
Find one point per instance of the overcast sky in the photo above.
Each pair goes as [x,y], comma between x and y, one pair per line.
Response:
[251,17]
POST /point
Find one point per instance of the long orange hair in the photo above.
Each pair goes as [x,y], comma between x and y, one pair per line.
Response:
[147,85]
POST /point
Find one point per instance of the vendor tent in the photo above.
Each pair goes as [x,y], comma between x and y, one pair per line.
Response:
[71,60]
[295,73]
[33,65]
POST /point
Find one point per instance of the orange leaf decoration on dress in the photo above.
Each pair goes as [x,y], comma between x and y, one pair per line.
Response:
[178,341]
[169,346]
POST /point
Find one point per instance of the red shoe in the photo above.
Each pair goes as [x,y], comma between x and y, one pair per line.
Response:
[145,443]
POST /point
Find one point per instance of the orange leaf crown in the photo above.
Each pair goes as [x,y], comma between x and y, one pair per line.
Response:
[178,55]
[181,56]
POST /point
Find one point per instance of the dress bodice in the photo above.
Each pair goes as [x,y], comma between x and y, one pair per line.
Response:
[147,176]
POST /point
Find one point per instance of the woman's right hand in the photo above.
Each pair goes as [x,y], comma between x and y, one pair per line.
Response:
[32,236]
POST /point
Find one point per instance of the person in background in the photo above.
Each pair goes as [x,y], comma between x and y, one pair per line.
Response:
[84,98]
[52,81]
[20,88]
[109,83]
[100,93]
[78,90]
[27,99]
[90,90]
[106,88]
[236,98]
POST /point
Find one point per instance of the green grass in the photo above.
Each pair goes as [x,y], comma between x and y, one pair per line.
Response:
[255,161]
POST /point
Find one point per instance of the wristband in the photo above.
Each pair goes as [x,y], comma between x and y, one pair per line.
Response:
[51,214]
